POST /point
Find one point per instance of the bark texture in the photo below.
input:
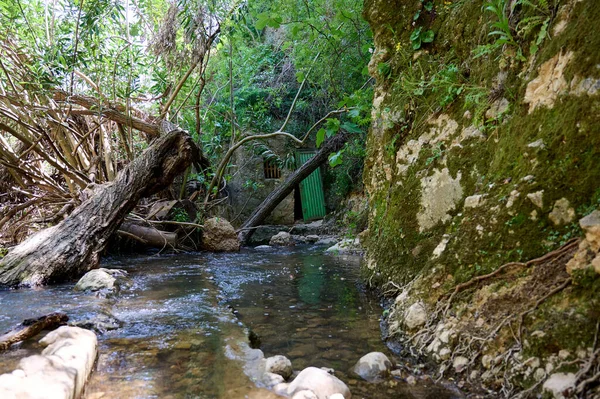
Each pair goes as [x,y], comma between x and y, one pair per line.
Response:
[71,248]
[273,199]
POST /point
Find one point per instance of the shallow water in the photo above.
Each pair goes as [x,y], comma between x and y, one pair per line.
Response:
[182,310]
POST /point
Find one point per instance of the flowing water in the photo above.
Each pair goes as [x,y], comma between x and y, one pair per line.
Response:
[181,312]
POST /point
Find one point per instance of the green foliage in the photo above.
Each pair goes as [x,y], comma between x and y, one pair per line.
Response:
[420,36]
[180,215]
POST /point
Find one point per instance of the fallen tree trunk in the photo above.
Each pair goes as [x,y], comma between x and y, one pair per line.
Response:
[32,327]
[282,191]
[71,248]
[150,236]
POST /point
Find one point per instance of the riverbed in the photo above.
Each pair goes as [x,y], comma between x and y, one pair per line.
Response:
[168,331]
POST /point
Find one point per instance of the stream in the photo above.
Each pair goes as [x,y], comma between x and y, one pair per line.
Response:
[181,311]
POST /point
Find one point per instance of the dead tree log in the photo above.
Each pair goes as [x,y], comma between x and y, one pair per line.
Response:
[72,247]
[278,195]
[32,327]
[151,236]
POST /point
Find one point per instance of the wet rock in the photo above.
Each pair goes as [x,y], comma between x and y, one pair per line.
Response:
[591,225]
[415,316]
[263,248]
[280,365]
[101,279]
[327,241]
[373,366]
[282,239]
[272,379]
[560,383]
[60,372]
[344,247]
[100,324]
[305,394]
[320,382]
[312,238]
[562,213]
[218,235]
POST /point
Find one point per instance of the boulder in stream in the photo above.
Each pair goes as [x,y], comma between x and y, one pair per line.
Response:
[320,382]
[279,365]
[218,235]
[60,372]
[373,366]
[282,239]
[101,280]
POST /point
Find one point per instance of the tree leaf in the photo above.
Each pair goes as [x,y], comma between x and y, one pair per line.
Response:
[335,159]
[351,127]
[320,137]
[428,36]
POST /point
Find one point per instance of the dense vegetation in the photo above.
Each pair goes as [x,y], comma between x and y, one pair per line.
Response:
[84,82]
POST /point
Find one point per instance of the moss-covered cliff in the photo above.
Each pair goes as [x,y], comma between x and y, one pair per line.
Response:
[485,150]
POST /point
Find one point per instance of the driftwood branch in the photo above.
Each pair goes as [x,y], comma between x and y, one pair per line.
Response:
[32,327]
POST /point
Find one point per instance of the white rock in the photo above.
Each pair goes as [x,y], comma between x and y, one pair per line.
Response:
[537,144]
[497,108]
[441,247]
[337,396]
[591,225]
[59,373]
[282,239]
[344,246]
[486,361]
[415,316]
[564,354]
[272,379]
[279,365]
[373,366]
[411,380]
[539,374]
[100,279]
[474,201]
[558,383]
[512,198]
[305,394]
[459,363]
[320,382]
[474,374]
[537,198]
[263,247]
[445,354]
[562,213]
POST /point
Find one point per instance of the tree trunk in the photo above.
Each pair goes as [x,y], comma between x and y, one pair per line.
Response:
[71,248]
[282,191]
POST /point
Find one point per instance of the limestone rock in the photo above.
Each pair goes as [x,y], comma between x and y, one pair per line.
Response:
[282,239]
[497,108]
[440,193]
[474,201]
[591,225]
[272,379]
[550,82]
[320,382]
[373,366]
[218,235]
[280,365]
[60,372]
[415,316]
[100,279]
[459,363]
[562,213]
[559,383]
[346,246]
[537,198]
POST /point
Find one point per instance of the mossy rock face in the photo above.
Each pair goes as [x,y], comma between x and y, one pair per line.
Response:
[514,127]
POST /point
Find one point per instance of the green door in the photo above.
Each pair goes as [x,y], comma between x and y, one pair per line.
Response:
[311,190]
